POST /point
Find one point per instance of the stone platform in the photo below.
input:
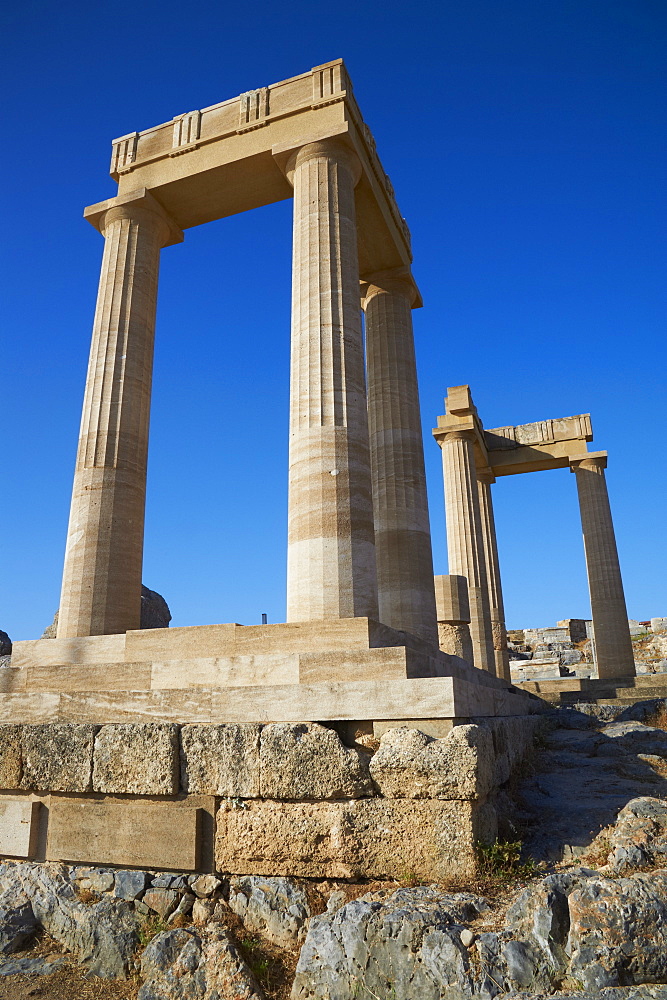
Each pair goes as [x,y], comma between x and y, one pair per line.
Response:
[348,670]
[619,690]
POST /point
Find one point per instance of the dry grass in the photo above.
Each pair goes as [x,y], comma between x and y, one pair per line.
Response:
[659,719]
[68,983]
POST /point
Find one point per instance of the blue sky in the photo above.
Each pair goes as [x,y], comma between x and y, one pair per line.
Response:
[525,141]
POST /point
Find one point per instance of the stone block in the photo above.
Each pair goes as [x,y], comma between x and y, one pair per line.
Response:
[58,756]
[451,599]
[10,756]
[363,838]
[410,764]
[129,885]
[221,760]
[141,759]
[19,827]
[144,835]
[308,761]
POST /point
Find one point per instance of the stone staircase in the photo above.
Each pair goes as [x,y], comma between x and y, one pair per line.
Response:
[617,691]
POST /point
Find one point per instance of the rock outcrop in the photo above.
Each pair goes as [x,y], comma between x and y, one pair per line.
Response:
[155,613]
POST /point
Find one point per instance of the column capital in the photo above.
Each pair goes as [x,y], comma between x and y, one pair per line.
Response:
[394,281]
[486,476]
[443,434]
[334,148]
[137,205]
[594,461]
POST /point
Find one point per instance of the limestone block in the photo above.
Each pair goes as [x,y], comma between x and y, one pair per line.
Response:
[221,760]
[372,838]
[308,761]
[145,835]
[140,759]
[455,639]
[451,598]
[10,756]
[58,756]
[19,827]
[410,764]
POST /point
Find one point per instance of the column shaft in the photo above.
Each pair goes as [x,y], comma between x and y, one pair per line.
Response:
[404,556]
[331,552]
[101,590]
[465,545]
[615,657]
[496,607]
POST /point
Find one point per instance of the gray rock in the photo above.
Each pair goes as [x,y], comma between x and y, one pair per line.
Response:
[189,963]
[410,764]
[129,884]
[641,711]
[139,758]
[95,880]
[102,936]
[618,931]
[10,757]
[309,761]
[639,836]
[32,966]
[51,631]
[407,946]
[155,612]
[17,920]
[162,901]
[221,760]
[205,885]
[5,644]
[57,756]
[274,908]
[636,737]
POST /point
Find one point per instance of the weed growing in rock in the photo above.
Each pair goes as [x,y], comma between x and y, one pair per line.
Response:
[149,927]
[502,861]
[272,967]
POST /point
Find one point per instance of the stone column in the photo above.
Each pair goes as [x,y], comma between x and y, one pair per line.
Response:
[406,596]
[615,657]
[485,479]
[331,549]
[453,612]
[465,545]
[101,591]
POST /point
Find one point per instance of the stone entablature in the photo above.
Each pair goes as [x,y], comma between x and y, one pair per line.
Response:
[169,158]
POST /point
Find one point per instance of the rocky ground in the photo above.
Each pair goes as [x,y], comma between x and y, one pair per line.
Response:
[581,913]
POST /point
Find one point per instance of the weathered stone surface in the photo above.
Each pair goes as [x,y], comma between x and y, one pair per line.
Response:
[162,901]
[17,920]
[618,930]
[221,760]
[51,631]
[639,836]
[94,879]
[274,908]
[410,764]
[308,761]
[57,756]
[140,759]
[362,837]
[205,885]
[407,946]
[155,611]
[10,757]
[102,936]
[637,737]
[129,885]
[192,963]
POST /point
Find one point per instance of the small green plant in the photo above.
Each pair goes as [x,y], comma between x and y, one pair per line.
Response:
[264,965]
[502,860]
[149,927]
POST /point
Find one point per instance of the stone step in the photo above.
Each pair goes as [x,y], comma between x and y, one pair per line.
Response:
[373,700]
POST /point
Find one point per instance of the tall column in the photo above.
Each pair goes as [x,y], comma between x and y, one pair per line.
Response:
[615,657]
[406,596]
[485,479]
[101,591]
[331,549]
[465,543]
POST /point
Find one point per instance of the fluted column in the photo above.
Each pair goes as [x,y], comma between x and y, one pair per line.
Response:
[465,544]
[406,596]
[331,552]
[485,479]
[615,657]
[101,590]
